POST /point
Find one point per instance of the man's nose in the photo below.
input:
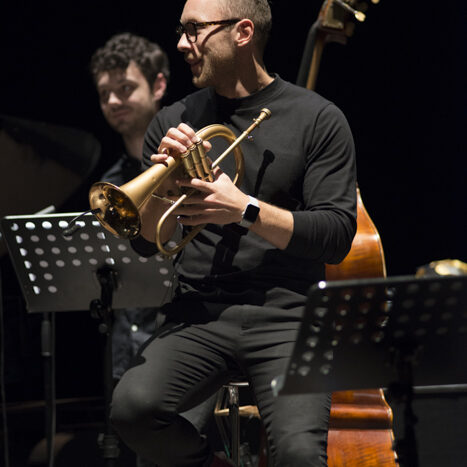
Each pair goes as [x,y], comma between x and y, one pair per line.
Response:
[183,43]
[114,99]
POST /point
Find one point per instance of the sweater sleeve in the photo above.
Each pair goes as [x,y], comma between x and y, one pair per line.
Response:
[325,227]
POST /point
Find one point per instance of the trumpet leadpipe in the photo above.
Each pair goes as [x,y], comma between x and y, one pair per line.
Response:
[264,115]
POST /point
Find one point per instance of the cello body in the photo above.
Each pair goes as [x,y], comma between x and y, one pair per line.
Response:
[360,430]
[366,257]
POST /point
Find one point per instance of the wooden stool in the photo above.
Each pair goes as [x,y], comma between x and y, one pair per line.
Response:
[360,427]
[228,413]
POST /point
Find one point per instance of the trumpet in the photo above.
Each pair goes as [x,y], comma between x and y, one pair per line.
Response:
[117,208]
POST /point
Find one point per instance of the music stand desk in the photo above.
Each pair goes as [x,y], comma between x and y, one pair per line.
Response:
[58,273]
[359,334]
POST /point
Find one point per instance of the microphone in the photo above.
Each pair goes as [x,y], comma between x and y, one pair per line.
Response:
[73,226]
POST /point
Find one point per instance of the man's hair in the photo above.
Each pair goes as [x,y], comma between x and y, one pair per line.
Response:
[258,11]
[123,48]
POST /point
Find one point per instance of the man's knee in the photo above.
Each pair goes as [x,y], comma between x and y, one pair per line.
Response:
[136,408]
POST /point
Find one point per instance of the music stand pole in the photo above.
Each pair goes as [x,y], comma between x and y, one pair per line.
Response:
[48,355]
[102,308]
[402,390]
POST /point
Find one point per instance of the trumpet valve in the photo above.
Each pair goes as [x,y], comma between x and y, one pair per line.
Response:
[196,156]
[206,166]
[188,162]
[196,163]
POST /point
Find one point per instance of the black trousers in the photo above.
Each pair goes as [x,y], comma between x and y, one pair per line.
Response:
[202,347]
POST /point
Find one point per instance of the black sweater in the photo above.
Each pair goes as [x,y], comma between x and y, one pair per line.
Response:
[302,159]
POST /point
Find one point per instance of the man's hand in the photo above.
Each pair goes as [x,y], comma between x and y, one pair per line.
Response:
[218,202]
[176,142]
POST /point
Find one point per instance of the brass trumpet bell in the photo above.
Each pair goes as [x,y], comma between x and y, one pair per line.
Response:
[118,212]
[117,208]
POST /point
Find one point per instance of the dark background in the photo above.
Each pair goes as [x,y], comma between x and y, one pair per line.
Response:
[400,81]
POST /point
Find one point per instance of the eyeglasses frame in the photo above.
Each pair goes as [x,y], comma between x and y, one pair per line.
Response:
[181,28]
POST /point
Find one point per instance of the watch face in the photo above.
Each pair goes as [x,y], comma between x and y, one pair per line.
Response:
[250,214]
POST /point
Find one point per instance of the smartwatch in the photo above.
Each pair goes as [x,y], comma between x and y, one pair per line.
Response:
[250,214]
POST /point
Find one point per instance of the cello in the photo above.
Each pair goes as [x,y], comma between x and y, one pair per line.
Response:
[360,425]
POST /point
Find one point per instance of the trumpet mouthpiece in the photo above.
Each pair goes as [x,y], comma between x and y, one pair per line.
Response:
[266,113]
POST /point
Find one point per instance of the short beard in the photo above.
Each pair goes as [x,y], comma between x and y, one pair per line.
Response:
[209,77]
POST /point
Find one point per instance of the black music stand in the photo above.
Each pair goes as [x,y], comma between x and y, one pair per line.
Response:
[393,333]
[68,273]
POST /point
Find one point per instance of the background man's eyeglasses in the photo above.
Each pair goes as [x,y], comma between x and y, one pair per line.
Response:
[191,28]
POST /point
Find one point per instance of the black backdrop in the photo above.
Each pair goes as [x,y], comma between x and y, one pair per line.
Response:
[400,81]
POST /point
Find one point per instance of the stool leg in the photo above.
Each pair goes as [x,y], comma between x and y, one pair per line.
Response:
[219,420]
[234,416]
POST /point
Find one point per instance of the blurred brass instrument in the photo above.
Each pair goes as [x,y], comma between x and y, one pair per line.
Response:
[117,208]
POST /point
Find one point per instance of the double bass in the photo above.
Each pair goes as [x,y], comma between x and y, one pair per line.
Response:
[360,425]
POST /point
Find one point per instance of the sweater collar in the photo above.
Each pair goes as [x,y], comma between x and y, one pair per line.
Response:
[252,101]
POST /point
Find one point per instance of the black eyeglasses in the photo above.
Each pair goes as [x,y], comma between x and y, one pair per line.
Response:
[191,28]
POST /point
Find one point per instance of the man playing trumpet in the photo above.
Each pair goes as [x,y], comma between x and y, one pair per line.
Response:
[244,277]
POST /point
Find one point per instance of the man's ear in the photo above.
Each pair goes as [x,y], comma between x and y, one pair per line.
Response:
[244,32]
[159,87]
